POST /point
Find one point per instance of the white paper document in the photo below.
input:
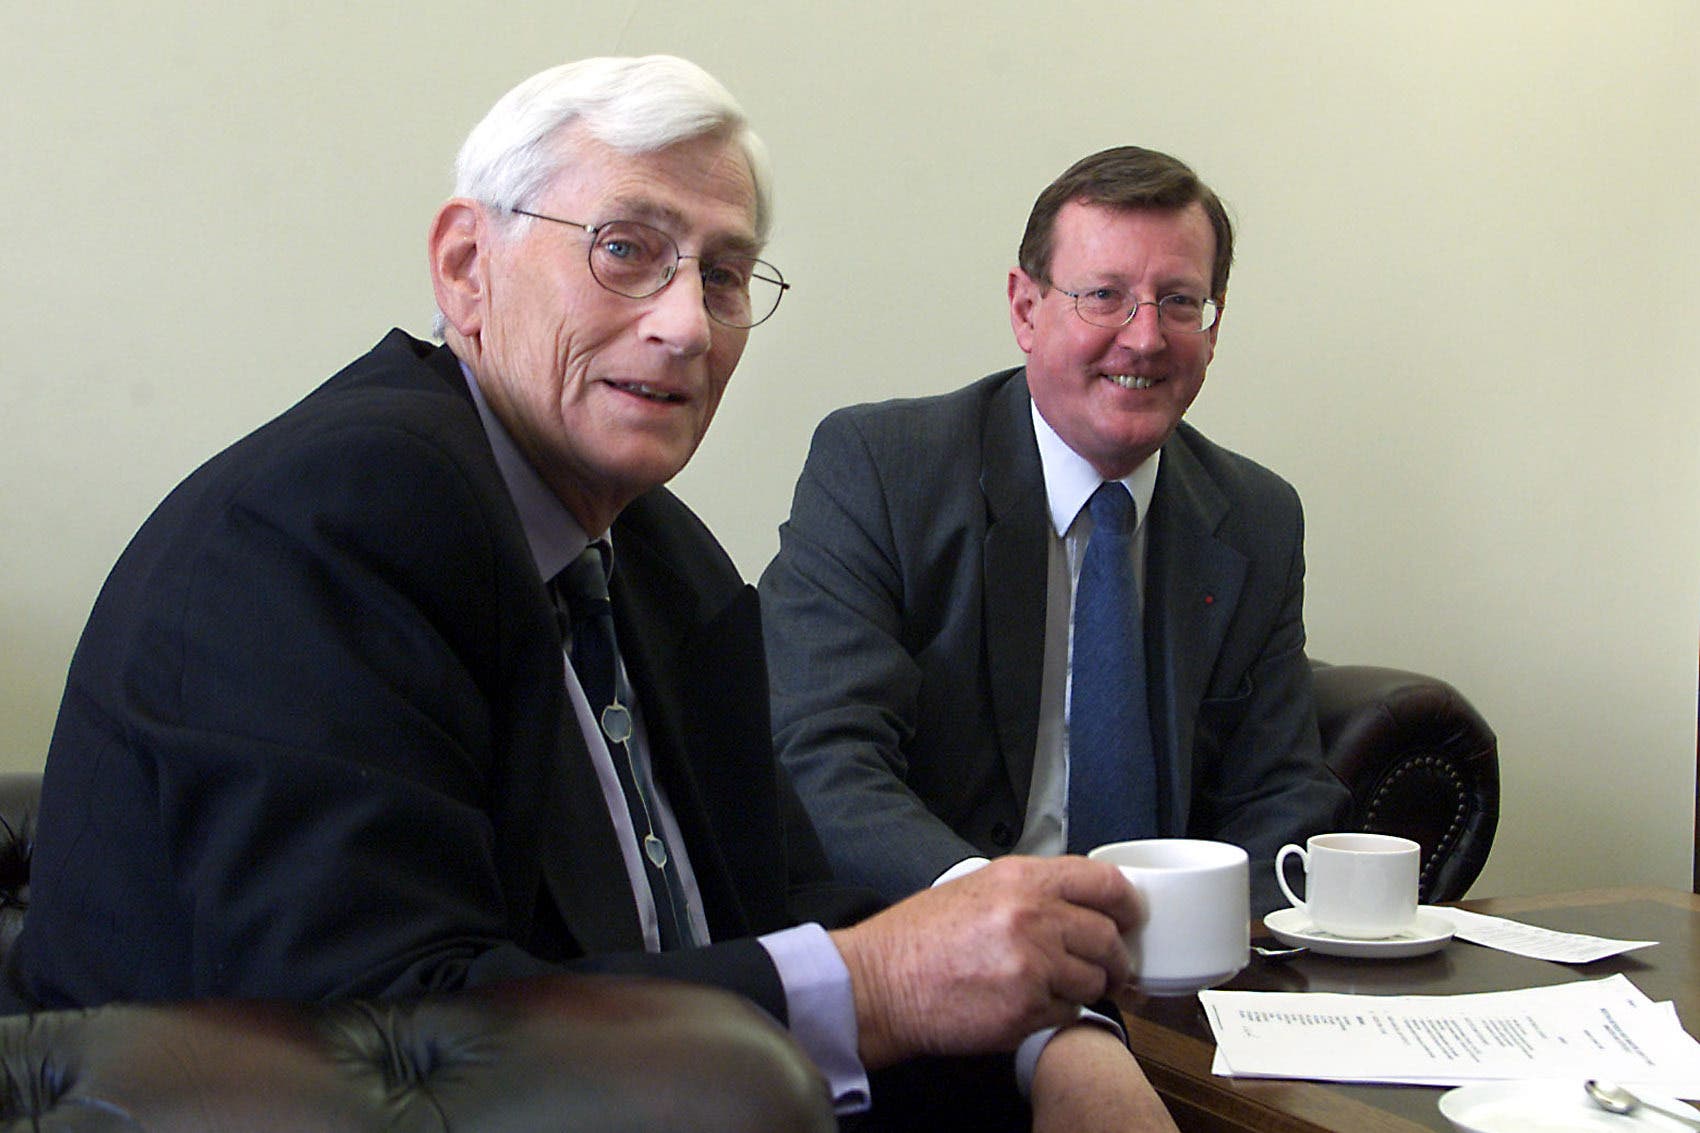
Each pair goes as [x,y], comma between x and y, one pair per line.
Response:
[1532,940]
[1588,1029]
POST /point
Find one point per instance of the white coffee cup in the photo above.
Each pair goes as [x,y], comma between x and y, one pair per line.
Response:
[1362,886]
[1197,928]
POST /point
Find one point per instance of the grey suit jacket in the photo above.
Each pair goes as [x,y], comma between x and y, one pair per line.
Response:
[905,621]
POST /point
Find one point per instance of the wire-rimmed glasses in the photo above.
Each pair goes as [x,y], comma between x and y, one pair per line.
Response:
[1114,307]
[637,260]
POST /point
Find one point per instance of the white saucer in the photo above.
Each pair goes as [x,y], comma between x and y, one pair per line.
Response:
[1547,1107]
[1431,932]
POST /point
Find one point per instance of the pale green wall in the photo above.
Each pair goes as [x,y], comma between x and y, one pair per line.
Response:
[1464,323]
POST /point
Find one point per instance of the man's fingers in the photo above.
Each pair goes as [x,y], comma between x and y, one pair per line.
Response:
[977,963]
[1100,886]
[1095,940]
[1076,982]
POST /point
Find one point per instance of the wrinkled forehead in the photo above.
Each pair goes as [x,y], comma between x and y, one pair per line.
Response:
[700,189]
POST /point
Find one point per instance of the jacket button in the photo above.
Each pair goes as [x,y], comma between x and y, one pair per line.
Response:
[1003,835]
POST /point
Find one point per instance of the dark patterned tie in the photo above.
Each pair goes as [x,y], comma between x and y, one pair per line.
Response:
[582,588]
[1112,768]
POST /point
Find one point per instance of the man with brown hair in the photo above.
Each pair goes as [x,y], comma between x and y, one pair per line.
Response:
[962,667]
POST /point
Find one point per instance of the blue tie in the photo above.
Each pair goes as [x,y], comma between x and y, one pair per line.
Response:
[1112,768]
[589,631]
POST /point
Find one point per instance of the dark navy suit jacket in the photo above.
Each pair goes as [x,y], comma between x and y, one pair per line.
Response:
[315,740]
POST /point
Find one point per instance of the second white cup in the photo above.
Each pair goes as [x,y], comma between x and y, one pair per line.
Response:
[1362,886]
[1197,930]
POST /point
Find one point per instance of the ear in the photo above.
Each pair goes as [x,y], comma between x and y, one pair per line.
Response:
[1024,296]
[459,248]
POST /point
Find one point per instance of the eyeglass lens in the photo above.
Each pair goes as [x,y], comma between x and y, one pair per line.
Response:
[1113,307]
[636,260]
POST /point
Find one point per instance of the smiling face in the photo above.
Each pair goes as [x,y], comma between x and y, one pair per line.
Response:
[607,396]
[1115,395]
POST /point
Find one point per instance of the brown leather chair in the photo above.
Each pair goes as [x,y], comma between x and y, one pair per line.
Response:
[599,1053]
[1419,761]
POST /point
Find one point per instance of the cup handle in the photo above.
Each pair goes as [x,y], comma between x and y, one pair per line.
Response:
[1281,872]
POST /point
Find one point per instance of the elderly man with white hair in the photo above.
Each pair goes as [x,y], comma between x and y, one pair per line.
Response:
[429,682]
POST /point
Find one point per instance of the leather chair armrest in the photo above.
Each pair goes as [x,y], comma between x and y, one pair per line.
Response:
[1419,761]
[557,1052]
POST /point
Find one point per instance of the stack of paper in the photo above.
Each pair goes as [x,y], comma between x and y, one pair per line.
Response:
[1589,1029]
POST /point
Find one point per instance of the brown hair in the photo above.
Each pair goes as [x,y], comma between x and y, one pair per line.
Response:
[1126,177]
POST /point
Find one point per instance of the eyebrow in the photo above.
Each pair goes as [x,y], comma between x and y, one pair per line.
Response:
[671,219]
[1166,285]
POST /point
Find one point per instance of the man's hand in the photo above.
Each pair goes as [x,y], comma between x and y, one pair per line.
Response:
[1086,1081]
[977,964]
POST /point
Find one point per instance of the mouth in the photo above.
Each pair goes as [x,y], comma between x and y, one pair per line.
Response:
[648,392]
[1133,381]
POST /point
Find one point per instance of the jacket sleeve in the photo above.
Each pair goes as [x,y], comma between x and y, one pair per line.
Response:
[846,686]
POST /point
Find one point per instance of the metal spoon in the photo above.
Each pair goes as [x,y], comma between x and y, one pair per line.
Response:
[1614,1098]
[1278,953]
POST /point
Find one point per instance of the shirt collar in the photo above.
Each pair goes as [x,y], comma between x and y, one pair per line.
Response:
[1070,478]
[555,537]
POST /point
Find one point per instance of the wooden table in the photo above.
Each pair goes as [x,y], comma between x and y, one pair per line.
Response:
[1173,1041]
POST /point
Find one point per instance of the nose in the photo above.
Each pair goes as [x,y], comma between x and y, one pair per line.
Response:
[1144,331]
[677,316]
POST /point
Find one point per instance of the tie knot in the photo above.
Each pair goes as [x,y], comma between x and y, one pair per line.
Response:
[1112,507]
[585,579]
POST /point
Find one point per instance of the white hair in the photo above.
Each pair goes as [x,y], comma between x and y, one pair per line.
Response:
[633,105]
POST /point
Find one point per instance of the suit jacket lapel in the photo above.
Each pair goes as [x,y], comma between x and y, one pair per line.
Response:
[1192,586]
[1014,568]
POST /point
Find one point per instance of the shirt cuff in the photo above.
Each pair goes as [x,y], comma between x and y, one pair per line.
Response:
[821,1010]
[961,869]
[1027,1054]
